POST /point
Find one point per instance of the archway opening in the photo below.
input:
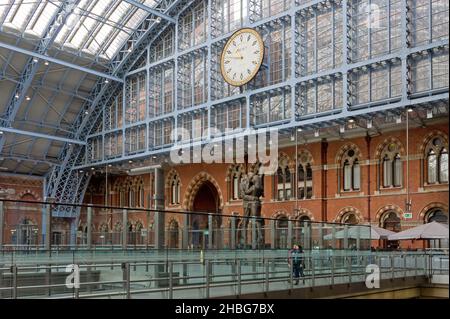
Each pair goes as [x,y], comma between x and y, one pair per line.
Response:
[206,200]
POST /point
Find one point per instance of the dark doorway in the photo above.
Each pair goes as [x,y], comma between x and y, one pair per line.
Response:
[206,200]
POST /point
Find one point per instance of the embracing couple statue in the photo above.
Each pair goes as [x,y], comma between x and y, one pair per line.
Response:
[252,189]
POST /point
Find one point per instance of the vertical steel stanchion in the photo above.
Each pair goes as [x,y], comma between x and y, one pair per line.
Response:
[415,266]
[126,279]
[170,265]
[233,233]
[14,281]
[89,227]
[392,267]
[332,269]
[291,275]
[207,278]
[313,273]
[266,266]
[349,265]
[239,281]
[405,266]
[124,228]
[2,223]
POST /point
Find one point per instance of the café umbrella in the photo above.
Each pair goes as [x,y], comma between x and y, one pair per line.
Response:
[433,230]
[362,232]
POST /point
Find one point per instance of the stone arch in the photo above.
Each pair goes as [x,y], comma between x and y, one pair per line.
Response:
[231,168]
[29,192]
[388,208]
[388,141]
[347,210]
[427,138]
[283,158]
[344,149]
[430,206]
[280,213]
[303,212]
[195,184]
[305,156]
[172,173]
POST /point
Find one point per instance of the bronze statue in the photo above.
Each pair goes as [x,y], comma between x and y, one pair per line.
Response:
[252,189]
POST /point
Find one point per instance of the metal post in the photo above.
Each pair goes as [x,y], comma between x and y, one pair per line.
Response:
[266,264]
[313,272]
[2,223]
[345,236]
[321,236]
[272,234]
[349,265]
[124,228]
[207,278]
[159,205]
[392,267]
[89,227]
[48,231]
[254,241]
[415,266]
[239,279]
[333,236]
[332,269]
[185,234]
[405,266]
[289,234]
[126,278]
[210,231]
[14,281]
[170,265]
[307,239]
[233,233]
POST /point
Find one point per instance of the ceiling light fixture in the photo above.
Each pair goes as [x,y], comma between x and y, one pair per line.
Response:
[369,123]
[317,133]
[429,114]
[28,98]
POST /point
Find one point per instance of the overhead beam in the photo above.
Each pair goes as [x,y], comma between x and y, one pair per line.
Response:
[39,135]
[28,159]
[151,10]
[60,62]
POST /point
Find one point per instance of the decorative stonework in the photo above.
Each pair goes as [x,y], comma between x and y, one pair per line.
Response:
[347,210]
[388,141]
[430,206]
[23,193]
[304,156]
[285,160]
[303,212]
[280,213]
[433,134]
[170,175]
[388,208]
[344,149]
[194,186]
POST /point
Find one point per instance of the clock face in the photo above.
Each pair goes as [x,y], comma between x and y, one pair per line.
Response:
[242,57]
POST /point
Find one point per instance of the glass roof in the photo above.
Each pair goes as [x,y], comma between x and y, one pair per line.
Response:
[95,28]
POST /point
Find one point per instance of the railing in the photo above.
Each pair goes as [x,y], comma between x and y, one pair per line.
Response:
[26,227]
[200,274]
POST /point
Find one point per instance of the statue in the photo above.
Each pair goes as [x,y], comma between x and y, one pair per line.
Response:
[252,189]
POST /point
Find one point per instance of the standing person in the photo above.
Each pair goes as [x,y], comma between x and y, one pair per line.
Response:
[295,261]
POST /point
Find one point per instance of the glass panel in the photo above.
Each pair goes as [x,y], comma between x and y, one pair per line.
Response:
[432,167]
[443,166]
[356,175]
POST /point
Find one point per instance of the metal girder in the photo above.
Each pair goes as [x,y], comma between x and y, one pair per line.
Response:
[151,10]
[28,159]
[39,135]
[61,62]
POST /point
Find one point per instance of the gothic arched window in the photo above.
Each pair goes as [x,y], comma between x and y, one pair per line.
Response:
[175,190]
[392,167]
[351,171]
[304,183]
[436,162]
[283,182]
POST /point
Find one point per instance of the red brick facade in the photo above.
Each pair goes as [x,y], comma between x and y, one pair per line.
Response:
[329,202]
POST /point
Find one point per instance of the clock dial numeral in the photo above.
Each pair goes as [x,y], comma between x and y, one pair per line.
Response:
[227,61]
[249,37]
[234,75]
[228,51]
[242,76]
[240,37]
[254,43]
[229,70]
[248,71]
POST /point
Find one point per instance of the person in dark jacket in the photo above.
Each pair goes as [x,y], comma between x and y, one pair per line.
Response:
[295,260]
